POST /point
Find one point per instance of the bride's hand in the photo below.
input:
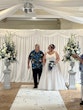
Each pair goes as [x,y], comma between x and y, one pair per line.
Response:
[56,61]
[43,63]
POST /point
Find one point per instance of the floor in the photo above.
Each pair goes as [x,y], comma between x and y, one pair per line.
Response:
[71,98]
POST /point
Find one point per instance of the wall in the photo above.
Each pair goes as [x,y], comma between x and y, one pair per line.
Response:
[65,24]
[30,24]
[40,24]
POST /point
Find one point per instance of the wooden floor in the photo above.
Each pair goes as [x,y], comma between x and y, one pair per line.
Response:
[70,97]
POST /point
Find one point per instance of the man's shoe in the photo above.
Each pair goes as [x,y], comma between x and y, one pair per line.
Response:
[35,87]
[81,103]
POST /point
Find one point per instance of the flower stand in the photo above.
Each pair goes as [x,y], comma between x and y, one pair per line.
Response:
[7,72]
[72,80]
[8,54]
[72,76]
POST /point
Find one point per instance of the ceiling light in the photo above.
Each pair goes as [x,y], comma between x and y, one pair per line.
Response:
[34,18]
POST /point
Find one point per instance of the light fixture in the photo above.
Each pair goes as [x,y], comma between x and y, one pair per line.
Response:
[34,18]
[28,7]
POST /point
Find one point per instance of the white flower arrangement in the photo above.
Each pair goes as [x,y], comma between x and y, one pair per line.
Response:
[7,50]
[51,65]
[72,47]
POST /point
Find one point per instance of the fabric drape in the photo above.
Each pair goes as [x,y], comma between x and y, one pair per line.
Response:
[25,41]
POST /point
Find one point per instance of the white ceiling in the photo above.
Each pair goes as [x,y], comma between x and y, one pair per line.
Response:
[53,3]
[68,9]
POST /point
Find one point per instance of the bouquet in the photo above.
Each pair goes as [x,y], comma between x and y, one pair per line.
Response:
[7,51]
[72,47]
[51,65]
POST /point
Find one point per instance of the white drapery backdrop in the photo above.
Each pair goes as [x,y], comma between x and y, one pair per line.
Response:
[25,41]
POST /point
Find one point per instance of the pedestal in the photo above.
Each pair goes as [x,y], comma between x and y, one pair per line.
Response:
[7,79]
[6,72]
[72,80]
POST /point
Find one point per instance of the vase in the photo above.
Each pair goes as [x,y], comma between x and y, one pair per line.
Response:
[72,63]
[7,72]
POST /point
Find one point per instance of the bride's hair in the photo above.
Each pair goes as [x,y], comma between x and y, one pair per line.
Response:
[52,46]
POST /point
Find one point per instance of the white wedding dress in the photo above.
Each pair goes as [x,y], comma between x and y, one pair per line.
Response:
[51,79]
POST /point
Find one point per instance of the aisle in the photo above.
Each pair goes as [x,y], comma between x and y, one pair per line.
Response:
[32,99]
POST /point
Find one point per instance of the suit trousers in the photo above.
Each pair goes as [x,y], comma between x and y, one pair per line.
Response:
[36,75]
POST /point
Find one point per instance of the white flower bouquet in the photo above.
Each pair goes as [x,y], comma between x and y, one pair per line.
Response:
[72,47]
[7,50]
[51,65]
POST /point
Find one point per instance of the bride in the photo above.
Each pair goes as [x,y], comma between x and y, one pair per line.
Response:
[51,78]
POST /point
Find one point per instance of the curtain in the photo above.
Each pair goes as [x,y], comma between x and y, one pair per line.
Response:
[25,41]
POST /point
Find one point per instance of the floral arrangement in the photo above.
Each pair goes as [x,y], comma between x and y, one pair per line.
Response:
[51,65]
[72,47]
[7,50]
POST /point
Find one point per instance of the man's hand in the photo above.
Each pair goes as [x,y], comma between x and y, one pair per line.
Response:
[74,55]
[77,57]
[28,64]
